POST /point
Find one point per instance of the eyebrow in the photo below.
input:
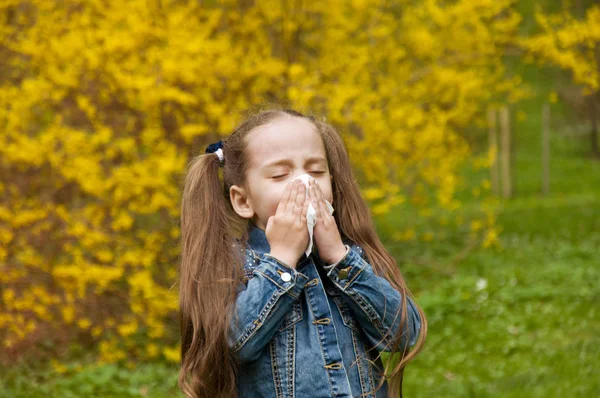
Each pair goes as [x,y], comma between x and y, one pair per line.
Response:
[285,161]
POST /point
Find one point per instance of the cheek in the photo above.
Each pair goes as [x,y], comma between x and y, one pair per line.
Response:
[327,192]
[330,195]
[275,198]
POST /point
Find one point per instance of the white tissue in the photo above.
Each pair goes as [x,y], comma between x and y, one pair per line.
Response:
[311,214]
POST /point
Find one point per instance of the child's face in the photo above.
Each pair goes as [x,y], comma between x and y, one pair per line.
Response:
[278,152]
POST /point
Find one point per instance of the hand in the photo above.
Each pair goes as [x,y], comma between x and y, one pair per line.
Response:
[326,234]
[286,231]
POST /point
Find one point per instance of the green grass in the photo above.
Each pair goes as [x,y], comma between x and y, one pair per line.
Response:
[146,380]
[532,331]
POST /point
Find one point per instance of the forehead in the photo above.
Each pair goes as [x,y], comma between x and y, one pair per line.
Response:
[285,137]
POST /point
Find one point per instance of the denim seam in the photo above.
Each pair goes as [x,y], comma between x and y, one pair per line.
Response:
[370,374]
[359,362]
[251,330]
[290,365]
[275,369]
[367,309]
[352,280]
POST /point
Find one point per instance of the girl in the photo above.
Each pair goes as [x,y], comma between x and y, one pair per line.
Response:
[260,317]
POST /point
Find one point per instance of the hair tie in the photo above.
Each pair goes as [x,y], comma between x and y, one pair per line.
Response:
[216,148]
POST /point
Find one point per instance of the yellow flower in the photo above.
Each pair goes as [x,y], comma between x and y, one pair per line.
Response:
[68,313]
[427,236]
[58,367]
[127,329]
[152,350]
[476,225]
[172,354]
[491,238]
[84,323]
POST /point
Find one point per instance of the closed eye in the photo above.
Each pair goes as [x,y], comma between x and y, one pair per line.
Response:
[312,172]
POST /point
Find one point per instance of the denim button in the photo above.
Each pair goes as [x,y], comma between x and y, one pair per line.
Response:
[343,274]
[286,277]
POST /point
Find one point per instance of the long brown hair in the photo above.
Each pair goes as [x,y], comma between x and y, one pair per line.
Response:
[211,266]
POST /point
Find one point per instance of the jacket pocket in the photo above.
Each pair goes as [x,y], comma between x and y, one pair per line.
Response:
[293,317]
[346,313]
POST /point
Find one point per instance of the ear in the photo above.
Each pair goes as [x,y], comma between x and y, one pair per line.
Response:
[239,201]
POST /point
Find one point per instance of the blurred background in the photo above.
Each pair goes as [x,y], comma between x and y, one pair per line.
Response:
[472,126]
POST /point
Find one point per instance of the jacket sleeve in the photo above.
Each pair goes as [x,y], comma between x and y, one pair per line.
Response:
[373,300]
[262,304]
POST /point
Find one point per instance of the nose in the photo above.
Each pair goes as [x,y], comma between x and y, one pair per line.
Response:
[305,178]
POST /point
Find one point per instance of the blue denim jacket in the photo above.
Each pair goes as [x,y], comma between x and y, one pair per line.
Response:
[301,330]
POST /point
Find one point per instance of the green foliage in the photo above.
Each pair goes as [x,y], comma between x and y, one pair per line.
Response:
[145,380]
[520,322]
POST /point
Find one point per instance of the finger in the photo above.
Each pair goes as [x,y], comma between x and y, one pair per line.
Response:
[318,193]
[315,196]
[304,211]
[323,211]
[312,194]
[289,208]
[285,197]
[300,199]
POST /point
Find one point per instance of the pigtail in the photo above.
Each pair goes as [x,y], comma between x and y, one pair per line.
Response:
[206,286]
[211,271]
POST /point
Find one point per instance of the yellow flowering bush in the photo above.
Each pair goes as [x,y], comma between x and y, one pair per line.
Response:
[569,43]
[572,44]
[102,103]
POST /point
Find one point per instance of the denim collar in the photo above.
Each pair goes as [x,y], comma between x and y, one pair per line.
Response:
[257,239]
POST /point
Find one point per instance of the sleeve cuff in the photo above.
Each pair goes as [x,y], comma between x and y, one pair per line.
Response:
[344,272]
[282,275]
[330,266]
